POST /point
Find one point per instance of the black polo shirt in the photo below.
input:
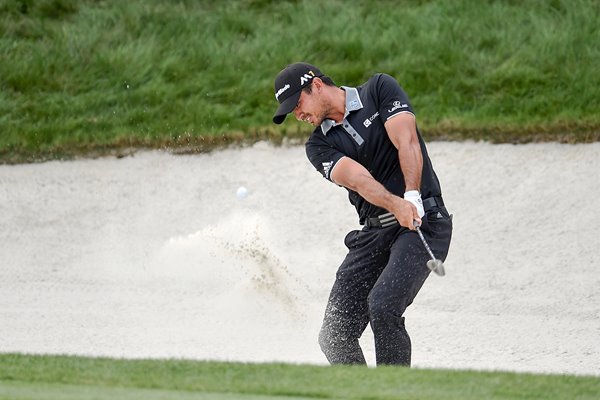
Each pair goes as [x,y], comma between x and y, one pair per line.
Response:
[362,137]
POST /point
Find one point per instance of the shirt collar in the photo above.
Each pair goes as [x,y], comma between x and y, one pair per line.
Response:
[353,103]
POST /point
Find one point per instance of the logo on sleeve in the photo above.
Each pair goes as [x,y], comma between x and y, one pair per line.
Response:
[397,105]
[327,168]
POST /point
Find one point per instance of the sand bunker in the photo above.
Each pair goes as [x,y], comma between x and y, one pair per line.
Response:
[154,256]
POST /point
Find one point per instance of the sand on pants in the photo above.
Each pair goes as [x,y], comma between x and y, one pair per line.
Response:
[154,256]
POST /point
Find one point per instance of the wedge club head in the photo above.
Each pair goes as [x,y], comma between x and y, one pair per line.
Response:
[434,264]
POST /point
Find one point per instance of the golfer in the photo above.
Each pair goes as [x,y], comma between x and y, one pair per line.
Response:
[365,139]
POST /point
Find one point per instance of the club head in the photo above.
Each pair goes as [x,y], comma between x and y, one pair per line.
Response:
[436,266]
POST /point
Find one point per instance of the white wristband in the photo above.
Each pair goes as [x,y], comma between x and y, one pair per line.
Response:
[415,197]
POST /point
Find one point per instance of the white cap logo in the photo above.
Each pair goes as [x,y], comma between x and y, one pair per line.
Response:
[306,77]
[283,89]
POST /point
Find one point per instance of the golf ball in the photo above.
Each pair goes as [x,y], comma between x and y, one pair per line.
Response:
[242,192]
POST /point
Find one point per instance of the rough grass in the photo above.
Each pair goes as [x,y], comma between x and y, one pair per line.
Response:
[88,76]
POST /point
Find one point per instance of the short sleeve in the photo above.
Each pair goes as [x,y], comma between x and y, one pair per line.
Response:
[322,155]
[392,99]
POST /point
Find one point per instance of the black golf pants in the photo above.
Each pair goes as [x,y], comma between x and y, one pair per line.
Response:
[382,273]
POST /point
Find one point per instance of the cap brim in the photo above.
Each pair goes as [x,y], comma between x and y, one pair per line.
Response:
[286,107]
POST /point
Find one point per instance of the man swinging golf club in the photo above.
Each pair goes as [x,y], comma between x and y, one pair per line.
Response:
[366,140]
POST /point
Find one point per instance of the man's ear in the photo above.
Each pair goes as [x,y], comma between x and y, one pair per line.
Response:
[318,84]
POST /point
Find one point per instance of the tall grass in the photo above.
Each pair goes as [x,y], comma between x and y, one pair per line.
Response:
[89,74]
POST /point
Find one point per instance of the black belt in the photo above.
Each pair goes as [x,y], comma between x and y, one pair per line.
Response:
[432,202]
[388,219]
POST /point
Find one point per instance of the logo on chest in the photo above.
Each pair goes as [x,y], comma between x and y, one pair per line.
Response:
[369,120]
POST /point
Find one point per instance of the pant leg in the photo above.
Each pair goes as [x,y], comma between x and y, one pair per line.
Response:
[437,229]
[347,313]
[399,283]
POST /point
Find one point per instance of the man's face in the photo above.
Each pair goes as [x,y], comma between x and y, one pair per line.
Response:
[309,108]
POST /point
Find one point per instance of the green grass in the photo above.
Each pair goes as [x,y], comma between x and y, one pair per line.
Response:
[64,377]
[91,76]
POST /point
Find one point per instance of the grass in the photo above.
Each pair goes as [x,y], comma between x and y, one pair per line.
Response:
[68,377]
[94,76]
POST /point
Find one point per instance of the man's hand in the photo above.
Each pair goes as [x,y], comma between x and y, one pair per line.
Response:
[415,197]
[406,213]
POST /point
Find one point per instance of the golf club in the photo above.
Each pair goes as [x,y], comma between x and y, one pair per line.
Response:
[434,264]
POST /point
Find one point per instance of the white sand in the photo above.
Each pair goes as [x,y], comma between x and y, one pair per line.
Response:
[154,256]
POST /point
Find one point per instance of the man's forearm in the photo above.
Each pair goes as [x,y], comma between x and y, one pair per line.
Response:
[402,131]
[411,163]
[376,194]
[354,176]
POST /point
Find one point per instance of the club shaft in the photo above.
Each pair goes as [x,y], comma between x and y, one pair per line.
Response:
[425,243]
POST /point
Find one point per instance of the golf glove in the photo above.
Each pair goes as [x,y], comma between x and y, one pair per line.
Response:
[415,197]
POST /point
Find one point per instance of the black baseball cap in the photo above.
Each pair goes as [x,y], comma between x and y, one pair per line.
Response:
[288,87]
